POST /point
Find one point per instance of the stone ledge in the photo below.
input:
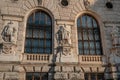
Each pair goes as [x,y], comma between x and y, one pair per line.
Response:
[5,68]
[12,17]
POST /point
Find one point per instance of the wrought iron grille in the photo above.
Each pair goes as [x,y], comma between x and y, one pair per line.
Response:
[36,76]
[39,33]
[89,42]
[94,76]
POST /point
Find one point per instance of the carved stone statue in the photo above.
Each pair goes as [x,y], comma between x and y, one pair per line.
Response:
[115,35]
[63,35]
[9,33]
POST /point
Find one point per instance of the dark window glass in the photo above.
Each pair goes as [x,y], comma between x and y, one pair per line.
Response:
[36,76]
[39,33]
[94,76]
[89,42]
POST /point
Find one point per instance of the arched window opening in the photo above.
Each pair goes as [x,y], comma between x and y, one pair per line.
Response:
[39,33]
[89,42]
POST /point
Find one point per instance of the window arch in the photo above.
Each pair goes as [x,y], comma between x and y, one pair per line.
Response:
[39,33]
[89,42]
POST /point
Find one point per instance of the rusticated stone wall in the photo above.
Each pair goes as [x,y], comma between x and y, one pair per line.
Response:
[13,63]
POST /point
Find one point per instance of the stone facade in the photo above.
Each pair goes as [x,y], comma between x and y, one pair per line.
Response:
[64,63]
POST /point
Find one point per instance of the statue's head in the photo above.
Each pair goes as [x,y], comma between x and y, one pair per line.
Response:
[61,28]
[10,22]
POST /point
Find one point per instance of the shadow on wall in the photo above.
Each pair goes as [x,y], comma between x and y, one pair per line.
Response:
[90,5]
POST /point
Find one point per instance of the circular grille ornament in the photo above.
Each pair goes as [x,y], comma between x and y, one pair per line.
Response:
[64,2]
[109,5]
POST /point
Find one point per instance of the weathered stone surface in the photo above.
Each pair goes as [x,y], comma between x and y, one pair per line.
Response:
[22,76]
[29,68]
[11,76]
[87,69]
[76,76]
[60,76]
[9,57]
[94,69]
[67,68]
[1,75]
[4,68]
[46,68]
[38,68]
[57,69]
[78,69]
[19,68]
[20,10]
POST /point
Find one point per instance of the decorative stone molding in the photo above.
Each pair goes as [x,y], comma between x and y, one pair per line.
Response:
[19,68]
[11,76]
[76,76]
[68,69]
[5,68]
[8,48]
[64,3]
[60,76]
[39,2]
[86,3]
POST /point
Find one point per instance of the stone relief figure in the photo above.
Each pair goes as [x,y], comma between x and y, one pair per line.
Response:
[115,35]
[9,32]
[63,35]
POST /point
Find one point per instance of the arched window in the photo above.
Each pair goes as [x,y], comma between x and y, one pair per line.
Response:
[39,33]
[89,42]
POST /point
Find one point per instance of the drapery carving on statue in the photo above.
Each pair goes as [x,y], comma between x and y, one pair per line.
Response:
[115,36]
[9,33]
[63,35]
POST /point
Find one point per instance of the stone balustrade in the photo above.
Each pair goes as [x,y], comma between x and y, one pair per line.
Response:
[90,59]
[36,58]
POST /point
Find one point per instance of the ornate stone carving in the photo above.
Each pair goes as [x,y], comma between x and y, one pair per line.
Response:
[8,48]
[115,36]
[86,3]
[60,76]
[67,51]
[9,32]
[39,2]
[76,76]
[63,35]
[64,50]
